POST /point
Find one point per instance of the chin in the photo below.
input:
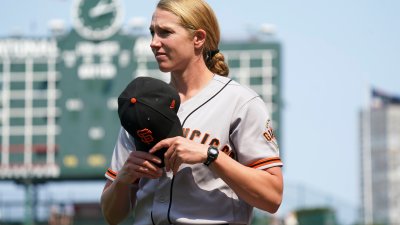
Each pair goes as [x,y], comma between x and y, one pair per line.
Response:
[164,69]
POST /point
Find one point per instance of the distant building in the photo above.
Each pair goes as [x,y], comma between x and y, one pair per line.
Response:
[380,159]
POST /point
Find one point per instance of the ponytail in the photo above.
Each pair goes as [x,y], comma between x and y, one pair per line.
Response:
[215,62]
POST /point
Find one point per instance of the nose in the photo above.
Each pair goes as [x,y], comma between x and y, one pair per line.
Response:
[155,42]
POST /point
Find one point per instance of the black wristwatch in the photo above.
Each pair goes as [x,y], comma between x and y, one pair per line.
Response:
[212,154]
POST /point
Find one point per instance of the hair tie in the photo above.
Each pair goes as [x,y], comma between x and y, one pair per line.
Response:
[210,54]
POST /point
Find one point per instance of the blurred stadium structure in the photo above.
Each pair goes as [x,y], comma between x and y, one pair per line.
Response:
[83,196]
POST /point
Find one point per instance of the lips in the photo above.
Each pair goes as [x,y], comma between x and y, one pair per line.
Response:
[160,55]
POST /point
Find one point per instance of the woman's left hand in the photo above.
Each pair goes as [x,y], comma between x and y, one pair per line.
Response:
[181,150]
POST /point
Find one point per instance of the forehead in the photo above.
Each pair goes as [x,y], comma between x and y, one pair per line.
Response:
[163,18]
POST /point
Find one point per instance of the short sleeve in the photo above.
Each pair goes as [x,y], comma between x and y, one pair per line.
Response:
[122,149]
[253,137]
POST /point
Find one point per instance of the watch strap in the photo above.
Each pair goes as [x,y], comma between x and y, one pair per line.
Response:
[212,154]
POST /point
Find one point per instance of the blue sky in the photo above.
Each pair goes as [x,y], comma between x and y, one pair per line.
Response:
[332,51]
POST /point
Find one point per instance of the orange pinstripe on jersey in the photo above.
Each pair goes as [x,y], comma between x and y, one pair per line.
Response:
[111,173]
[265,162]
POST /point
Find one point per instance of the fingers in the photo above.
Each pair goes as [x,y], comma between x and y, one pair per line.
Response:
[172,159]
[166,143]
[146,172]
[143,162]
[139,164]
[167,157]
[144,156]
[170,144]
[175,162]
[180,150]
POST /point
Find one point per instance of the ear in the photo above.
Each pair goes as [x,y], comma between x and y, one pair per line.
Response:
[199,38]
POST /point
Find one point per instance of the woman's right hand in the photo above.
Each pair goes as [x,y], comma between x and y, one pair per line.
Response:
[139,164]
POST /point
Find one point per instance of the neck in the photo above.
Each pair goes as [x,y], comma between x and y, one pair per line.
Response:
[191,81]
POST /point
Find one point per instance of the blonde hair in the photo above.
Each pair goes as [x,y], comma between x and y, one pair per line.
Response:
[194,15]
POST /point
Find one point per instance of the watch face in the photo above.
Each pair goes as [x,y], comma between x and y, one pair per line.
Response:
[213,151]
[97,19]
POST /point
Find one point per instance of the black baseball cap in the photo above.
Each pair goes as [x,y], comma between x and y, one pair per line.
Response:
[147,110]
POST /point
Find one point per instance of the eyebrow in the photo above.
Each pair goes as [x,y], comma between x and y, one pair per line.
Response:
[160,26]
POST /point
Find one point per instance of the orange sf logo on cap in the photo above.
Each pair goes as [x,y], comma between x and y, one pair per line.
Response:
[145,135]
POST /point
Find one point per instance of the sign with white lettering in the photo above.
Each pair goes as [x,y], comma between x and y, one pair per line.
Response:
[95,63]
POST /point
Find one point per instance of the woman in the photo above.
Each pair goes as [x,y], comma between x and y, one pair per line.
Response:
[227,163]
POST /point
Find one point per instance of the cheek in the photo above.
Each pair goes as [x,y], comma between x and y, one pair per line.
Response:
[186,47]
[178,48]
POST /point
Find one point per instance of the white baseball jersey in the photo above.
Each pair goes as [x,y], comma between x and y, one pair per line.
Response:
[225,114]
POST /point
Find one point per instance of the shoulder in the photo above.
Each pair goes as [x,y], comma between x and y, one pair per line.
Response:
[125,141]
[235,91]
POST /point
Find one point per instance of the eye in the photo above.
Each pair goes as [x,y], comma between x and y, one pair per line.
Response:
[164,33]
[152,32]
